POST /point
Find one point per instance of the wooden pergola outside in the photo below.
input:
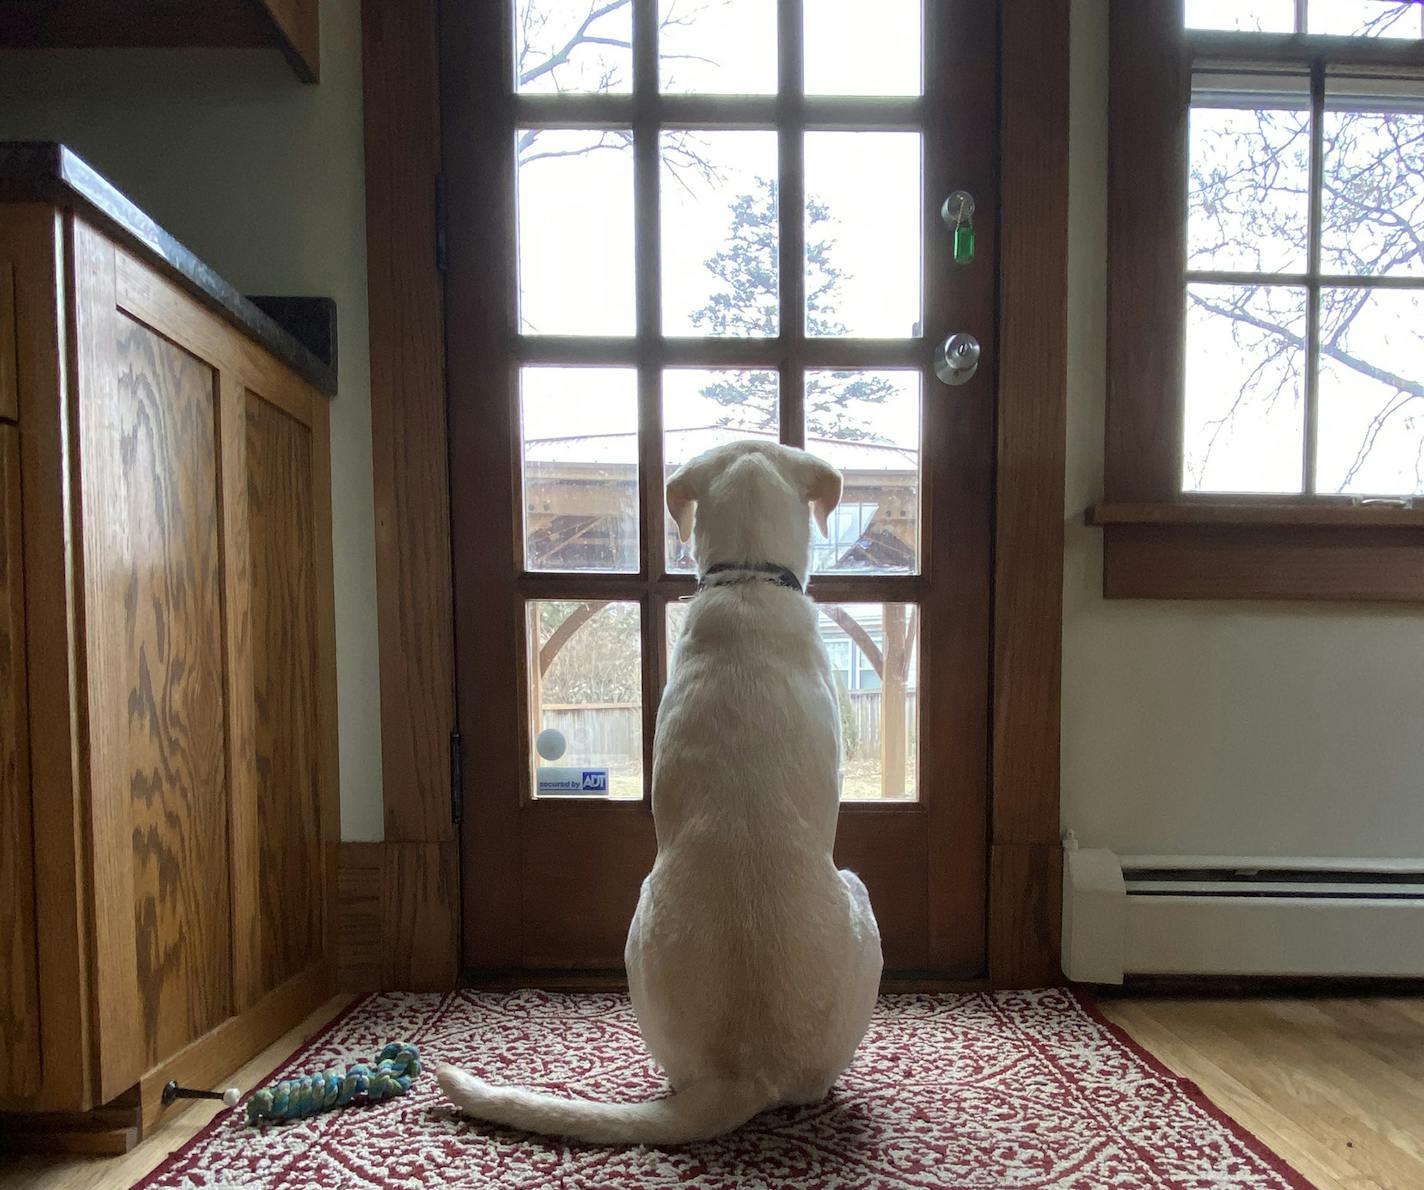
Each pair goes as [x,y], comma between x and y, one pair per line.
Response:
[580,507]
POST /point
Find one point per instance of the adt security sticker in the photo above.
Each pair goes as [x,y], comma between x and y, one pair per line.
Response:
[554,781]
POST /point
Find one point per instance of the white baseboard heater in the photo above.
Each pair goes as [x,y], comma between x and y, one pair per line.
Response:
[1240,915]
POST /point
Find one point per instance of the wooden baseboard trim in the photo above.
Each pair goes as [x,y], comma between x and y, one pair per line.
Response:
[1233,987]
[396,916]
[1026,915]
[109,1141]
[103,1132]
[359,897]
[234,1042]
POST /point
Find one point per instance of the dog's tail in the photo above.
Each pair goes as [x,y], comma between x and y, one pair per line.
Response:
[699,1111]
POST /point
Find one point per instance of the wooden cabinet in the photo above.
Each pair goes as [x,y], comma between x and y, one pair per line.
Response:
[168,819]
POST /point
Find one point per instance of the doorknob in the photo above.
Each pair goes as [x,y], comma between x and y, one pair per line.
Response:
[957,358]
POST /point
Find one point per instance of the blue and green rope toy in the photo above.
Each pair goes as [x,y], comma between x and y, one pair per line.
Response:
[395,1068]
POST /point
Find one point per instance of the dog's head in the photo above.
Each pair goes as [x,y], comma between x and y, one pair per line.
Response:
[752,502]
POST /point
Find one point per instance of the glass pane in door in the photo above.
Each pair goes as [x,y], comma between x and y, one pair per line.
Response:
[723,48]
[874,653]
[867,424]
[863,241]
[575,214]
[719,234]
[564,46]
[586,697]
[579,442]
[855,48]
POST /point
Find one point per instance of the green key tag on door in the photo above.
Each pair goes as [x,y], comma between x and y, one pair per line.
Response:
[958,215]
[964,243]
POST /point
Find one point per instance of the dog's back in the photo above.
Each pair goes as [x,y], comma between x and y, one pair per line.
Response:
[746,925]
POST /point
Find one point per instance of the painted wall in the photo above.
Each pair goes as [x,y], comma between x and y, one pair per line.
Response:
[262,177]
[1214,728]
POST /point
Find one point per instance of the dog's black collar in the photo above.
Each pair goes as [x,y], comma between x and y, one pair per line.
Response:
[750,572]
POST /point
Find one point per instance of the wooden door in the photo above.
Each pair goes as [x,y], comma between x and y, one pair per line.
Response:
[670,225]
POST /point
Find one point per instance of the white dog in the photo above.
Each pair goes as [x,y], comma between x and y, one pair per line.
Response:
[752,963]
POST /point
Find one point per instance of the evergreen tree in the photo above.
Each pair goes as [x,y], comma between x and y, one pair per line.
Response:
[748,305]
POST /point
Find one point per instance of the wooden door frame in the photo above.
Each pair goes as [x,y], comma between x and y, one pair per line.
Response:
[407,934]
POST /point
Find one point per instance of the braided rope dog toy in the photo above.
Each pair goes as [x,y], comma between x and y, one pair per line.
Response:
[295,1098]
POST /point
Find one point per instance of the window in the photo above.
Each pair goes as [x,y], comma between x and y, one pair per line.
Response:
[1266,303]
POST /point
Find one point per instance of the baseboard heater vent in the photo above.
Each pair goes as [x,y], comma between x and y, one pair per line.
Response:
[1227,915]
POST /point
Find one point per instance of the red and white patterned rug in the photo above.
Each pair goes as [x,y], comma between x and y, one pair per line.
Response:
[1023,1090]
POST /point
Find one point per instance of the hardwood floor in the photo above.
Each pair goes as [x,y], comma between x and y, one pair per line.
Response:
[110,1173]
[1333,1084]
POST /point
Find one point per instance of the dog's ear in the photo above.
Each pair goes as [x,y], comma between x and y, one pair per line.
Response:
[823,490]
[683,489]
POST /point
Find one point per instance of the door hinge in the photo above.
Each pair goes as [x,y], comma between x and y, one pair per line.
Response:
[457,783]
[440,222]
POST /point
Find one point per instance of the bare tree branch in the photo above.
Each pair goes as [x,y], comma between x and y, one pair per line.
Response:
[565,52]
[1248,196]
[1413,387]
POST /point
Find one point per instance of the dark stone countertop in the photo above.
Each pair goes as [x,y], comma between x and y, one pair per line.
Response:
[301,332]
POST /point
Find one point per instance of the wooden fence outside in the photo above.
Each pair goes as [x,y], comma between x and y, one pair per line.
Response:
[608,733]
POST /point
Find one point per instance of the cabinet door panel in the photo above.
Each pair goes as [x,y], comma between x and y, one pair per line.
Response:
[284,658]
[19,992]
[153,632]
[178,783]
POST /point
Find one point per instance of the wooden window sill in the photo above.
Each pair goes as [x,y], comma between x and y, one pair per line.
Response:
[1191,550]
